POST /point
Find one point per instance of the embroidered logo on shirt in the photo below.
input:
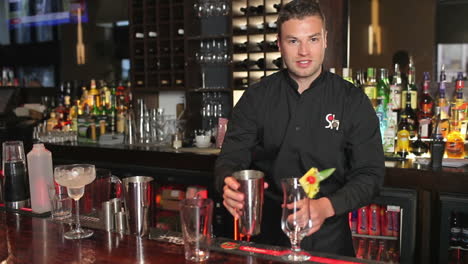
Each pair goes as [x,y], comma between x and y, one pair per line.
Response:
[332,122]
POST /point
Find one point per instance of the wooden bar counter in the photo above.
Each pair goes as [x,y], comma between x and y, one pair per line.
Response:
[26,239]
[195,166]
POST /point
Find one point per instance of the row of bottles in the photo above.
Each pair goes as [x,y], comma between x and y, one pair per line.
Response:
[95,111]
[409,113]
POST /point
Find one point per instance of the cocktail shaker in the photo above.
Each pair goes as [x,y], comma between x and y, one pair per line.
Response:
[15,180]
[251,185]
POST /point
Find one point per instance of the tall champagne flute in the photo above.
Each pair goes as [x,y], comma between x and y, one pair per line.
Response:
[75,177]
[295,220]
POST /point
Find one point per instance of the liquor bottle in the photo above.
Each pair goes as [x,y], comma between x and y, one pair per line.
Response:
[425,113]
[412,89]
[348,75]
[443,76]
[68,95]
[455,145]
[396,90]
[418,147]
[383,87]
[455,229]
[402,147]
[360,79]
[370,87]
[408,112]
[459,84]
[444,108]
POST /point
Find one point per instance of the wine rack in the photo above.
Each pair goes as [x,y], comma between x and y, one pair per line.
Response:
[254,33]
[157,44]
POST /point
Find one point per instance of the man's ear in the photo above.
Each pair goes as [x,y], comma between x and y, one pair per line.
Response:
[278,42]
[325,36]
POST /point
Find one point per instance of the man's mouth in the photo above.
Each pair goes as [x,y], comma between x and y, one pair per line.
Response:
[303,63]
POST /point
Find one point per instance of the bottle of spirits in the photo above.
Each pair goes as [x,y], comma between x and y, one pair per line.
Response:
[418,147]
[396,90]
[412,89]
[360,79]
[455,145]
[425,113]
[444,109]
[402,147]
[370,87]
[383,87]
[410,116]
[458,100]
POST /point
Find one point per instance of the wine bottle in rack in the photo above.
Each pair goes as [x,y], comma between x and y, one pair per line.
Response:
[277,7]
[260,9]
[249,10]
[278,62]
[271,26]
[245,64]
[241,82]
[240,47]
[261,63]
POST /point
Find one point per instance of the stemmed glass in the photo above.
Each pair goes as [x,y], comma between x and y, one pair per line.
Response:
[75,177]
[295,220]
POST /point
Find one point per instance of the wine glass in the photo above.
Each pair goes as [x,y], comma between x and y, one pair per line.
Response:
[75,177]
[295,220]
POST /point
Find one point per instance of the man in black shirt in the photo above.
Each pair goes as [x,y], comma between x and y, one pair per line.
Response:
[299,118]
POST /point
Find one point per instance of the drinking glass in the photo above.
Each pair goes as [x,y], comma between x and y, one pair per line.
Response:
[75,177]
[295,220]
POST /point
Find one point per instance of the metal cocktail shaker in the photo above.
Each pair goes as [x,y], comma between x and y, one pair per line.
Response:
[251,185]
[15,180]
[137,193]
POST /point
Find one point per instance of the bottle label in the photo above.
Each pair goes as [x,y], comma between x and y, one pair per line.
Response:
[424,125]
[395,96]
[414,99]
[371,92]
[403,140]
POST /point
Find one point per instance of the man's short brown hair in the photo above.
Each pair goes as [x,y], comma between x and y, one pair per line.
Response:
[299,9]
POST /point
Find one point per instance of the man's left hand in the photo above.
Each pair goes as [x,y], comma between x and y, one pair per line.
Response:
[320,210]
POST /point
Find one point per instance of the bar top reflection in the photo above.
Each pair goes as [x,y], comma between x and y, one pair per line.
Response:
[25,239]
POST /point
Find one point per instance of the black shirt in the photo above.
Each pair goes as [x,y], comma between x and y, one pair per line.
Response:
[332,124]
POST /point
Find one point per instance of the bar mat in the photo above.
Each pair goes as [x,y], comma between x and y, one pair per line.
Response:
[24,211]
[243,248]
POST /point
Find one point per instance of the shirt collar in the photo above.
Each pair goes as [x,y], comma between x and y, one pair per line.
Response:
[293,84]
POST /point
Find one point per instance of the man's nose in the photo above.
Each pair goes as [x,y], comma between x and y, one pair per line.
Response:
[304,49]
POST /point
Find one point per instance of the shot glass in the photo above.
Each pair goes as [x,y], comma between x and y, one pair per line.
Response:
[61,203]
[195,218]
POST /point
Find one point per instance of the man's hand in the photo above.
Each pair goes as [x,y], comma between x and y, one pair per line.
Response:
[319,210]
[233,200]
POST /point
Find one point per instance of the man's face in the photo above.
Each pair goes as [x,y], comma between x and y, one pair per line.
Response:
[302,44]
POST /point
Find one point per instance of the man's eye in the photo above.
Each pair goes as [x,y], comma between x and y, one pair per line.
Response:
[292,41]
[314,39]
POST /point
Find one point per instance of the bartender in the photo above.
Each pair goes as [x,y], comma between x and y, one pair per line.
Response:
[303,117]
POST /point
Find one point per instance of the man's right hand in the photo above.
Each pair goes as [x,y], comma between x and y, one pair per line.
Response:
[233,199]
